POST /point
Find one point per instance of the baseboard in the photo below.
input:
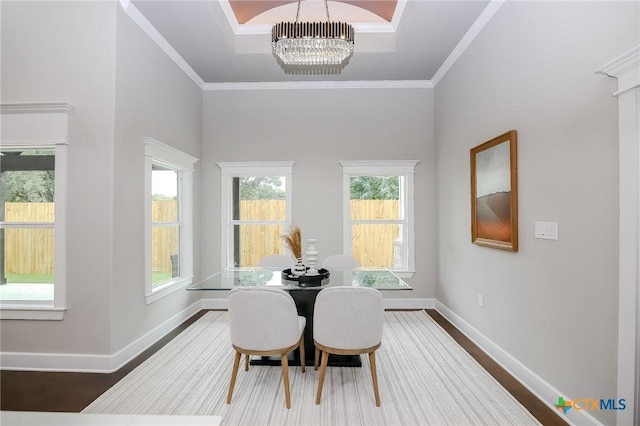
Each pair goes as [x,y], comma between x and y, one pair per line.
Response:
[215,303]
[90,363]
[538,386]
[409,303]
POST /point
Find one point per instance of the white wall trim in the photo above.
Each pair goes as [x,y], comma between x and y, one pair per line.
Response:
[410,303]
[534,383]
[42,125]
[467,39]
[627,62]
[31,311]
[162,43]
[322,85]
[215,303]
[92,363]
[626,70]
[35,107]
[161,151]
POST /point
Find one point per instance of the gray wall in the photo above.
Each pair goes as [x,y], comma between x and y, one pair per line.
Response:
[317,129]
[553,304]
[154,98]
[53,51]
[123,87]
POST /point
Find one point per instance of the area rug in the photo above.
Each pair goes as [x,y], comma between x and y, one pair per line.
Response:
[425,378]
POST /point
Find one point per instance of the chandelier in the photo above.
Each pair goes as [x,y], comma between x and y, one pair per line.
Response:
[312,43]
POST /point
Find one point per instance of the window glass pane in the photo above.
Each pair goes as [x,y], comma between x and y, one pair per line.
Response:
[165,253]
[375,197]
[253,242]
[378,245]
[27,264]
[27,186]
[375,210]
[164,194]
[259,198]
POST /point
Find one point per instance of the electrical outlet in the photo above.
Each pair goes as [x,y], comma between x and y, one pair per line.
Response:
[481,300]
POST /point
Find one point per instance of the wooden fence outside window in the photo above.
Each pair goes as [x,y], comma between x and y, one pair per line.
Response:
[30,251]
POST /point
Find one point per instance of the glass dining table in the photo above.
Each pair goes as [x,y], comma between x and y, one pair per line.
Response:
[304,292]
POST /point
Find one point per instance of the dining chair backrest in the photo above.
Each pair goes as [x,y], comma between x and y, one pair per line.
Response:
[277,261]
[348,317]
[340,261]
[262,318]
[346,321]
[264,321]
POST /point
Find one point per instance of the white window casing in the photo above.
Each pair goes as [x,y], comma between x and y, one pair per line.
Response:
[165,155]
[42,125]
[405,169]
[230,170]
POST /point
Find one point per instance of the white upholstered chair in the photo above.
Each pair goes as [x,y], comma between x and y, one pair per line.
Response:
[340,261]
[348,321]
[264,321]
[277,261]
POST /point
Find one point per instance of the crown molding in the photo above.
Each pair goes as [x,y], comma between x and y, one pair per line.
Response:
[626,69]
[623,64]
[468,38]
[162,43]
[35,107]
[321,85]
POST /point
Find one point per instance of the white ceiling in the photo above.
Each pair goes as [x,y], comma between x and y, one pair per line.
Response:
[413,46]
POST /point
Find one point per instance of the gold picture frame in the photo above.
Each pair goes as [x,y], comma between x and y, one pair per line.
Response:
[494,193]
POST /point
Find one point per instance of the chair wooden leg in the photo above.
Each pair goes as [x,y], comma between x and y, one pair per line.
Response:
[285,379]
[234,373]
[302,353]
[246,362]
[374,376]
[316,358]
[323,370]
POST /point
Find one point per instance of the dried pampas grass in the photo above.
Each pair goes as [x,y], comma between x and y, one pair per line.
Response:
[294,240]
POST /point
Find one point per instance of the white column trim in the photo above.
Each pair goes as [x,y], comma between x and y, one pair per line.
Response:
[626,70]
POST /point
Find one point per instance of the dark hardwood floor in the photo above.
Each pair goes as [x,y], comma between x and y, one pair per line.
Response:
[68,392]
[539,409]
[72,392]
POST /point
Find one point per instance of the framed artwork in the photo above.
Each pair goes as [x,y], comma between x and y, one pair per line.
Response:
[494,193]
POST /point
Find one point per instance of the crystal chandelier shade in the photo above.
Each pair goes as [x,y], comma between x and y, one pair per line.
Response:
[312,43]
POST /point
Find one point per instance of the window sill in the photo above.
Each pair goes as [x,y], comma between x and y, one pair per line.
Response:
[26,311]
[404,274]
[168,288]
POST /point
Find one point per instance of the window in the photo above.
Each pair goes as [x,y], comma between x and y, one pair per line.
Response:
[378,213]
[256,206]
[33,161]
[169,212]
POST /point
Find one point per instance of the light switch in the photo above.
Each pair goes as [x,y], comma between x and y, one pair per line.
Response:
[547,230]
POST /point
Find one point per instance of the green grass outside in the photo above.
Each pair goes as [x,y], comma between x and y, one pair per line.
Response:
[157,277]
[29,278]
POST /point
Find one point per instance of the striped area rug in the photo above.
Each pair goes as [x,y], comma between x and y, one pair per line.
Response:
[425,378]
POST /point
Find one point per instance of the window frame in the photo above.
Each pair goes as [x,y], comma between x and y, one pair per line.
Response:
[42,126]
[159,153]
[230,170]
[405,169]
